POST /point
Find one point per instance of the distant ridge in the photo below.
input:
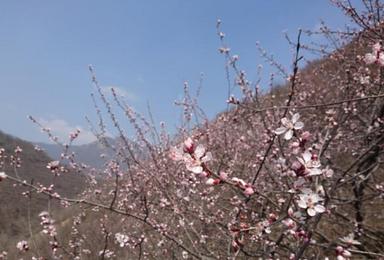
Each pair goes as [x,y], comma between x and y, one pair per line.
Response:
[89,154]
[15,207]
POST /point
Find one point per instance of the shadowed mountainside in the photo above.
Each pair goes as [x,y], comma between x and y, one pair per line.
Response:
[16,211]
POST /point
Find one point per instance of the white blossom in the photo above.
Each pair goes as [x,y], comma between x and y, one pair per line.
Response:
[2,176]
[121,239]
[289,126]
[310,201]
[22,245]
[349,240]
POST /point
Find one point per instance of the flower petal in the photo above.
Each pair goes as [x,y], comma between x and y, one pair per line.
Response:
[320,208]
[301,161]
[199,151]
[311,212]
[298,125]
[295,118]
[307,156]
[194,168]
[249,191]
[207,157]
[187,158]
[188,143]
[314,172]
[280,130]
[285,122]
[302,204]
[288,135]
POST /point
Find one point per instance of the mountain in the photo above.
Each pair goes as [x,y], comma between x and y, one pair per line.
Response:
[96,154]
[89,154]
[19,207]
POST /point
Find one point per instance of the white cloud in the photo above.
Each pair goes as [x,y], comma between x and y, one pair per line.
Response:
[121,92]
[62,130]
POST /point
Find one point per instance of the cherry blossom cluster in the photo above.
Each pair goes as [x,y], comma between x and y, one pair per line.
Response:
[121,239]
[107,254]
[55,167]
[74,135]
[307,165]
[3,156]
[376,56]
[194,156]
[15,158]
[22,245]
[48,224]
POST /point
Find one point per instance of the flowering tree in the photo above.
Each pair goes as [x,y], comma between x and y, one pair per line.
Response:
[291,174]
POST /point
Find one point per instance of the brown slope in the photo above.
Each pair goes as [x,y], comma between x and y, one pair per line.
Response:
[15,209]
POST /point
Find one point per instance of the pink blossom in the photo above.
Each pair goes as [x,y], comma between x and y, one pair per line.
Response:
[194,161]
[212,181]
[289,223]
[311,166]
[188,144]
[306,136]
[193,156]
[376,56]
[223,175]
[342,253]
[74,135]
[249,191]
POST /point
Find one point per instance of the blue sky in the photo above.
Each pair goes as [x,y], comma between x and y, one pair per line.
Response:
[145,48]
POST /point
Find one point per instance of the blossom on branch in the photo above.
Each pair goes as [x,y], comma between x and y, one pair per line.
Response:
[53,166]
[121,239]
[193,156]
[212,181]
[376,56]
[309,164]
[289,126]
[22,245]
[310,201]
[342,253]
[2,176]
[246,187]
[349,240]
